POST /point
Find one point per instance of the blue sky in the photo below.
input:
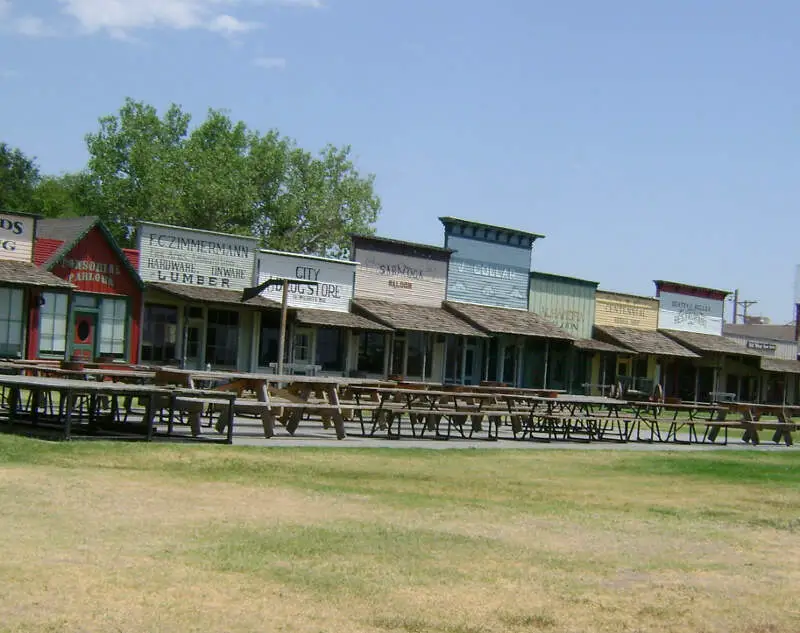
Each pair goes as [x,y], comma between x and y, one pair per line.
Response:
[646,140]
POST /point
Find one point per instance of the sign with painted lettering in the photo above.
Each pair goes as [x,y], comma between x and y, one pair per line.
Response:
[83,271]
[334,280]
[762,346]
[622,310]
[196,258]
[488,273]
[686,313]
[567,303]
[396,277]
[16,237]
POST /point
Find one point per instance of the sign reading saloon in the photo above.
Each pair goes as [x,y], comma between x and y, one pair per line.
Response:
[333,287]
[195,258]
[16,237]
[686,313]
[393,276]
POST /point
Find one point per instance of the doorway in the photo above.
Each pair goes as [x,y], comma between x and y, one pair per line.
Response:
[84,336]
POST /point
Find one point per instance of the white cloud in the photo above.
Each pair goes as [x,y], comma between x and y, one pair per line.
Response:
[230,25]
[31,26]
[270,63]
[5,8]
[120,17]
[8,73]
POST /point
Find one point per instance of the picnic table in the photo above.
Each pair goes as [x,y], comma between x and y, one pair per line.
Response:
[426,408]
[283,398]
[64,395]
[40,407]
[680,415]
[751,421]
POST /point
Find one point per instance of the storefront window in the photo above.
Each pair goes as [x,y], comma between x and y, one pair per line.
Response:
[113,327]
[398,355]
[159,333]
[11,325]
[371,350]
[268,341]
[330,349]
[53,324]
[416,351]
[222,338]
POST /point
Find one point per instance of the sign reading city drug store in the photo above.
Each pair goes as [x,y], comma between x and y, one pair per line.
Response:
[317,282]
[195,258]
[16,237]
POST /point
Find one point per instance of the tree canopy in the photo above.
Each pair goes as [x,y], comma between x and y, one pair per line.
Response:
[218,176]
[19,176]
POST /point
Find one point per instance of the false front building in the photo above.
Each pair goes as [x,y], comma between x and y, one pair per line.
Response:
[488,286]
[25,289]
[402,286]
[101,320]
[322,334]
[569,304]
[631,322]
[194,315]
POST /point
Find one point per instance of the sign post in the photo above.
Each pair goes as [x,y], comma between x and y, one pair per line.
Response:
[250,293]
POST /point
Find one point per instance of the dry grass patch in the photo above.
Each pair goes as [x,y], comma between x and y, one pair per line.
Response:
[131,537]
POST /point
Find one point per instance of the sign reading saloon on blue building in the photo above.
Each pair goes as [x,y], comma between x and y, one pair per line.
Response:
[490,265]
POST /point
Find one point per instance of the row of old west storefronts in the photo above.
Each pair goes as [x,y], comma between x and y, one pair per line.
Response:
[465,312]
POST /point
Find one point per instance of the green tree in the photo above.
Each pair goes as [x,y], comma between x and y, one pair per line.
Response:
[222,176]
[69,195]
[19,176]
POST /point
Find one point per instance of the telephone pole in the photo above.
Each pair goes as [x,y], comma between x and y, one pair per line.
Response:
[744,304]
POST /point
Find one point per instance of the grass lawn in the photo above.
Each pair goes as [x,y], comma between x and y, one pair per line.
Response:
[101,537]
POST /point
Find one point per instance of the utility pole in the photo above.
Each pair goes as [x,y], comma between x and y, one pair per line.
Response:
[744,304]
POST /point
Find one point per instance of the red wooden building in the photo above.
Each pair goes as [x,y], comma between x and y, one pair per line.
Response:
[102,318]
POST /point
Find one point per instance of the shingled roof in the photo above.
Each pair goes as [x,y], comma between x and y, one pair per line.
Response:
[644,341]
[594,345]
[781,365]
[334,318]
[70,231]
[415,318]
[506,321]
[29,274]
[204,294]
[709,343]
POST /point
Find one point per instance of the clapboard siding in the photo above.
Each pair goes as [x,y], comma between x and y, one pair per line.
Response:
[402,278]
[16,237]
[568,305]
[488,273]
[785,350]
[624,310]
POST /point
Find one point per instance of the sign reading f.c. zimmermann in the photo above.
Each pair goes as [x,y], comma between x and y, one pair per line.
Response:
[195,258]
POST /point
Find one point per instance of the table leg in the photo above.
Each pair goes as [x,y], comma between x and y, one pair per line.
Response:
[68,404]
[338,419]
[149,415]
[267,416]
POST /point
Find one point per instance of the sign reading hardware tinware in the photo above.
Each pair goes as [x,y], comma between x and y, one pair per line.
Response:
[333,287]
[16,237]
[195,258]
[686,313]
